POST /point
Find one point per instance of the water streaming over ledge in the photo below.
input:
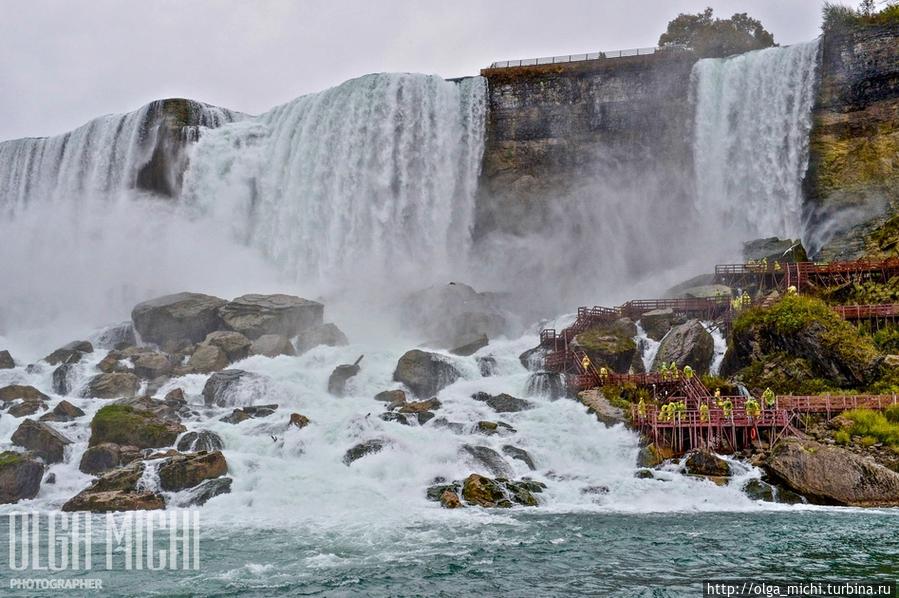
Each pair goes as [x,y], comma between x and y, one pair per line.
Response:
[751,134]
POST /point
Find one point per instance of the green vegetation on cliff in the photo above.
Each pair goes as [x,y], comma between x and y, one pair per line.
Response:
[709,37]
[839,16]
[872,427]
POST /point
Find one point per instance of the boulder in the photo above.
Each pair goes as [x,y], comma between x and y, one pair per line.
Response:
[487,365]
[420,406]
[298,421]
[256,315]
[489,459]
[546,384]
[202,440]
[235,345]
[25,407]
[152,364]
[129,425]
[106,456]
[490,428]
[16,392]
[42,440]
[532,359]
[657,323]
[112,386]
[470,346]
[61,385]
[200,494]
[390,416]
[178,318]
[115,500]
[110,363]
[707,291]
[687,344]
[252,412]
[116,336]
[774,249]
[20,477]
[272,345]
[425,374]
[63,412]
[450,500]
[484,492]
[369,447]
[394,398]
[222,388]
[70,353]
[832,475]
[339,377]
[502,403]
[170,408]
[207,359]
[186,471]
[522,455]
[705,462]
[452,315]
[610,344]
[324,334]
[6,361]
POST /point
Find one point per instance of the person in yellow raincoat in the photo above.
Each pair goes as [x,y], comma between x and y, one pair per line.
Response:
[688,372]
[769,398]
[663,370]
[603,375]
[792,290]
[585,364]
[641,408]
[704,413]
[752,408]
[728,407]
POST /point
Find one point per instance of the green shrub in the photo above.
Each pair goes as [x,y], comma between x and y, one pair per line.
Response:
[887,340]
[838,16]
[842,437]
[873,427]
[892,414]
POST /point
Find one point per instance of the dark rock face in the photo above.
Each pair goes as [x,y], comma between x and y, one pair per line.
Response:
[611,345]
[70,353]
[63,412]
[705,462]
[657,323]
[20,401]
[481,491]
[256,315]
[178,318]
[129,425]
[687,344]
[235,345]
[42,440]
[115,385]
[339,377]
[522,455]
[208,489]
[61,384]
[221,387]
[208,358]
[390,416]
[152,364]
[298,420]
[774,249]
[852,182]
[532,359]
[831,475]
[6,361]
[20,477]
[115,500]
[103,457]
[187,471]
[369,447]
[203,440]
[489,459]
[245,413]
[324,334]
[503,403]
[487,365]
[425,373]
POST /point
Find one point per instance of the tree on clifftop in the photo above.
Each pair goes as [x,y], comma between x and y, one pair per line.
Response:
[710,37]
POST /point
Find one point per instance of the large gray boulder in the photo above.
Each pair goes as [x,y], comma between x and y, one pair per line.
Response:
[207,358]
[42,440]
[178,318]
[222,388]
[70,353]
[687,344]
[202,440]
[774,249]
[186,471]
[6,361]
[489,459]
[425,373]
[20,477]
[235,345]
[832,475]
[256,315]
[657,323]
[324,334]
[105,456]
[339,377]
[272,345]
[451,315]
[503,403]
[115,385]
[369,447]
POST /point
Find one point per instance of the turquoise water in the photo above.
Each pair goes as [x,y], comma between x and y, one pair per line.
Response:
[525,554]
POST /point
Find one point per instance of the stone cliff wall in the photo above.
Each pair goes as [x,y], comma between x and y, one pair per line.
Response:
[552,130]
[852,185]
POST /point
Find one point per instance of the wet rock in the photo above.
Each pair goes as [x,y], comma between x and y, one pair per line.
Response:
[63,412]
[424,417]
[6,361]
[532,359]
[61,374]
[520,454]
[487,366]
[298,421]
[489,459]
[222,387]
[420,406]
[339,377]
[484,492]
[26,407]
[152,364]
[207,359]
[206,490]
[70,353]
[705,462]
[235,345]
[50,479]
[651,456]
[106,456]
[394,398]
[256,315]
[425,374]
[546,384]
[687,344]
[112,386]
[115,500]
[20,477]
[470,346]
[831,475]
[657,323]
[324,334]
[186,471]
[202,440]
[454,427]
[774,249]
[595,490]
[394,417]
[490,428]
[610,344]
[369,447]
[758,490]
[168,408]
[115,337]
[17,392]
[129,425]
[644,474]
[110,363]
[42,440]
[450,315]
[502,403]
[178,318]
[272,345]
[252,412]
[450,500]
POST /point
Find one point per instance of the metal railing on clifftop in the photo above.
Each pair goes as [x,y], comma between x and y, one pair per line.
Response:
[582,57]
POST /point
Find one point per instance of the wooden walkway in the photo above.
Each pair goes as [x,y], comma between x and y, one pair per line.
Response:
[806,274]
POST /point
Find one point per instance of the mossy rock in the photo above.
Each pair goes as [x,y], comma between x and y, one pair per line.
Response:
[610,345]
[125,425]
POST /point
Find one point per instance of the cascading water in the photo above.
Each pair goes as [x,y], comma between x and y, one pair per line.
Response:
[750,146]
[372,180]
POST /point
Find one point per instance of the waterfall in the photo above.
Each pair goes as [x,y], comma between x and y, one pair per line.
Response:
[750,146]
[372,179]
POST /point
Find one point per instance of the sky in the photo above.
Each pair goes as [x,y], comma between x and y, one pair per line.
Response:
[63,62]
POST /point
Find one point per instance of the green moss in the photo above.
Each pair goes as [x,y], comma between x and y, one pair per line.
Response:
[606,339]
[786,374]
[10,458]
[122,424]
[884,240]
[842,437]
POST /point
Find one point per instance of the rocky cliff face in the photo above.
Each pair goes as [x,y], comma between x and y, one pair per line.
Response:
[852,185]
[554,130]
